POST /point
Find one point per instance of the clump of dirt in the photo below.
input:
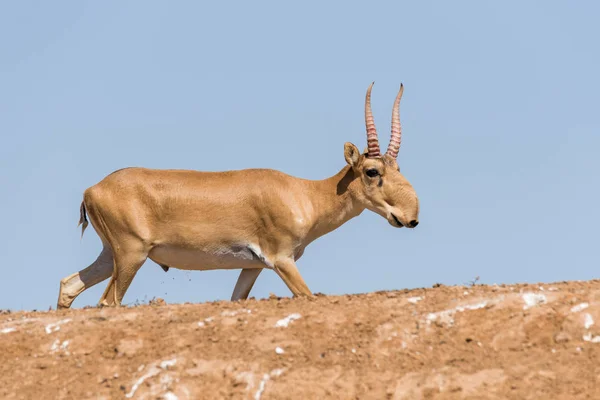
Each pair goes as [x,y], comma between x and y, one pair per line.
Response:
[492,342]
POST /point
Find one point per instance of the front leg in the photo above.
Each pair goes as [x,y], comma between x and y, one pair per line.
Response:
[244,283]
[287,270]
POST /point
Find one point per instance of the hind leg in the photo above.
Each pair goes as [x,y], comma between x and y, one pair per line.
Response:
[127,263]
[73,285]
[244,283]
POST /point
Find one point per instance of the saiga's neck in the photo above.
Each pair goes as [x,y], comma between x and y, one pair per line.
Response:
[334,203]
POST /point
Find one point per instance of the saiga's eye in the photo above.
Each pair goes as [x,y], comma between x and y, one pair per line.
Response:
[372,173]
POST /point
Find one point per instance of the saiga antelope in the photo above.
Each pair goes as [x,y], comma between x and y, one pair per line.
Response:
[247,219]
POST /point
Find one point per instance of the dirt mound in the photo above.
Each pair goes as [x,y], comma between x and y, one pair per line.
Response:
[492,342]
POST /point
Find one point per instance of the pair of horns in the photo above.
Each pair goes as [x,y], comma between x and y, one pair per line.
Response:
[372,140]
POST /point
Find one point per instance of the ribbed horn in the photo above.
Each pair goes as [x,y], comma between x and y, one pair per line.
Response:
[372,141]
[396,137]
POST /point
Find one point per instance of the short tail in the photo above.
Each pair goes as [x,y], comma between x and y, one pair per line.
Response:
[82,218]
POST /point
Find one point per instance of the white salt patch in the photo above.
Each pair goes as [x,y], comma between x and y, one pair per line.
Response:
[228,313]
[264,380]
[354,351]
[283,323]
[552,289]
[533,299]
[8,330]
[166,381]
[56,326]
[261,386]
[170,396]
[589,338]
[579,307]
[472,306]
[465,293]
[54,346]
[588,321]
[279,350]
[247,377]
[446,315]
[58,346]
[168,363]
[414,300]
[206,321]
[234,313]
[153,372]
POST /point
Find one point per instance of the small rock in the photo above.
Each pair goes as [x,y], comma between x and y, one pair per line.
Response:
[158,302]
[562,337]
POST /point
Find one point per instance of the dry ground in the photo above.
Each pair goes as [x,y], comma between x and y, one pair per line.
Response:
[480,342]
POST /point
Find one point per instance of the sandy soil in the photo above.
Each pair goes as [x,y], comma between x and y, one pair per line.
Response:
[479,342]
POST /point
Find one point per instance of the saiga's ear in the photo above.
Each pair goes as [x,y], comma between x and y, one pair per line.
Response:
[351,154]
[391,161]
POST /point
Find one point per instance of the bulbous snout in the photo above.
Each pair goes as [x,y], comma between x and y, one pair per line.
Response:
[397,220]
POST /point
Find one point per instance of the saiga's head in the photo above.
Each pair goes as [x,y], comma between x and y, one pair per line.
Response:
[382,188]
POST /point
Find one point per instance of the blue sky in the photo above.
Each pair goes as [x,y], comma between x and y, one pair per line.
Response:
[500,131]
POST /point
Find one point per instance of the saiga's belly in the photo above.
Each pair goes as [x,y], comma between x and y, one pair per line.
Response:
[234,257]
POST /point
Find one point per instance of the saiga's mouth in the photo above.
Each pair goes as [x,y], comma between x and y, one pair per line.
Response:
[397,221]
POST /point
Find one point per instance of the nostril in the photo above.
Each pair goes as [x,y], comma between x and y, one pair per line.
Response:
[413,223]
